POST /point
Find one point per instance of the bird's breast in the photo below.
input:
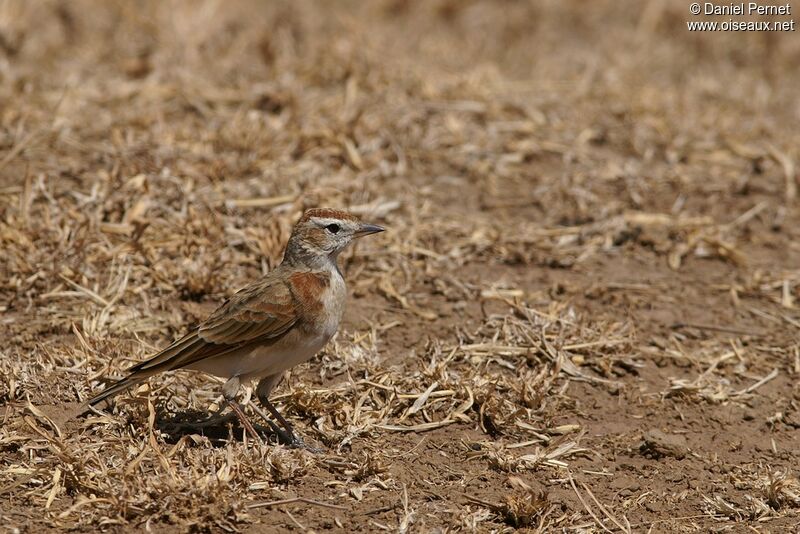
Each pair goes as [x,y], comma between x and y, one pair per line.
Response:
[317,325]
[333,302]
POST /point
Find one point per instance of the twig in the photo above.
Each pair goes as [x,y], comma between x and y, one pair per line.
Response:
[601,343]
[728,329]
[789,173]
[387,508]
[749,214]
[604,510]
[295,500]
[680,518]
[295,521]
[18,148]
[758,384]
[88,292]
[586,506]
[422,427]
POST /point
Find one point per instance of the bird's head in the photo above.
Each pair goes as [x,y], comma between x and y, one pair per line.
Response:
[322,233]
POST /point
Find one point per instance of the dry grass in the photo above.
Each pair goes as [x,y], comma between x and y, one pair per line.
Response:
[593,232]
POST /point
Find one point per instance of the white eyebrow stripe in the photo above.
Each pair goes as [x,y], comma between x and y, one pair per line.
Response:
[325,221]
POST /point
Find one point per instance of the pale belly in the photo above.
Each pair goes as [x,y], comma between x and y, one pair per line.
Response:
[258,362]
[296,347]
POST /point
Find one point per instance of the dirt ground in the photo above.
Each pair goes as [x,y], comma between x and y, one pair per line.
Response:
[583,316]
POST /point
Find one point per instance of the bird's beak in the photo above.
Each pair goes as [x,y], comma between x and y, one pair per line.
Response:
[367,229]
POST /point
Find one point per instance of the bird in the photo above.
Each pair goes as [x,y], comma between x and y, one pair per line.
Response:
[269,326]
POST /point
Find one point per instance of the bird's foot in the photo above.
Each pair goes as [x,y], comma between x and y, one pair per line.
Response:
[248,426]
[298,443]
[291,440]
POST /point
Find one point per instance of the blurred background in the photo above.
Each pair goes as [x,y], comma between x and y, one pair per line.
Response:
[284,95]
[593,235]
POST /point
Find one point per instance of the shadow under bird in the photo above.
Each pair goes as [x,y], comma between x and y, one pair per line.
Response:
[271,325]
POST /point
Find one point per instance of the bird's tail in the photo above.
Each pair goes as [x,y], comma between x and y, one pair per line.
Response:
[117,387]
[181,353]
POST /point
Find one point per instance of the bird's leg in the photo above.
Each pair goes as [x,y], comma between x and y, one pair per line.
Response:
[229,391]
[284,437]
[265,387]
[243,418]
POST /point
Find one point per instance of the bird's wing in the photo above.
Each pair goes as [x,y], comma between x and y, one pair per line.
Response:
[260,313]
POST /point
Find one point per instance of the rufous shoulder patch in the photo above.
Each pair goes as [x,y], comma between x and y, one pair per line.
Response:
[308,288]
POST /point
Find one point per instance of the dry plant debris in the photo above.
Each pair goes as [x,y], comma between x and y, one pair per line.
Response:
[584,317]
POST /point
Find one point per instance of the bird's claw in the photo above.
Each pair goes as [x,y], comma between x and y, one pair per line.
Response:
[294,441]
[298,443]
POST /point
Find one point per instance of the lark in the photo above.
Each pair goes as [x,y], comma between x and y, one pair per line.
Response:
[271,325]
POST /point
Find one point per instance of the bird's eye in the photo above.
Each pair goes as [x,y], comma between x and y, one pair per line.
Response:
[333,228]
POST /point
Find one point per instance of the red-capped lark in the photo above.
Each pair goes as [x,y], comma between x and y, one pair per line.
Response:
[271,325]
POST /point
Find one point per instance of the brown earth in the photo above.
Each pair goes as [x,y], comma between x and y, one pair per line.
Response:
[583,316]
